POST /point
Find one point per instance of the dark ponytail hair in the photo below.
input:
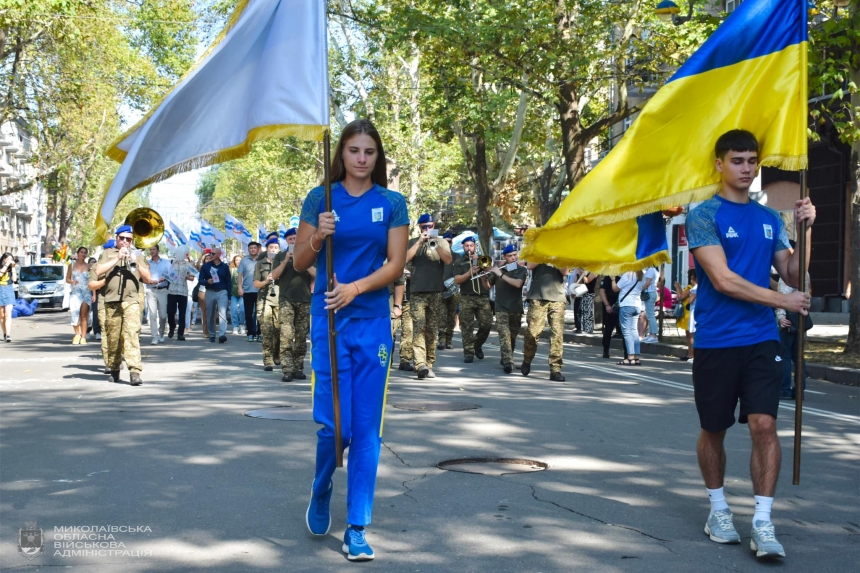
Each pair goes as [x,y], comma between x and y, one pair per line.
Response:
[359,127]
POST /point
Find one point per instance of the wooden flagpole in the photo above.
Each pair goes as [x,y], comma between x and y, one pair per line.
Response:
[332,333]
[801,341]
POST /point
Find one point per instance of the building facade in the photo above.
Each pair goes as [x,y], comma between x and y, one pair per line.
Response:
[22,212]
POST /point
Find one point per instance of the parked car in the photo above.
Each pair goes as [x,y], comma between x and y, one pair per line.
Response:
[45,283]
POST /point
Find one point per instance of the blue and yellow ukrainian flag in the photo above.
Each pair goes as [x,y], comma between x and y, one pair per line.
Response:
[750,74]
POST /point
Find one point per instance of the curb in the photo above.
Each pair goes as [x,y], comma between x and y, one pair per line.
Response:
[834,374]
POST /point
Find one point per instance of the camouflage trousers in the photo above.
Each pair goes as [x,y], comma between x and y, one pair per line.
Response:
[447,318]
[295,318]
[508,326]
[121,328]
[406,333]
[270,330]
[474,308]
[425,324]
[541,311]
[101,313]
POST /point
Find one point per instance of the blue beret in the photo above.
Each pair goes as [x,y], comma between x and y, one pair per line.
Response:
[290,232]
[509,249]
[124,229]
[447,236]
[272,234]
[272,242]
[468,240]
[425,218]
[110,244]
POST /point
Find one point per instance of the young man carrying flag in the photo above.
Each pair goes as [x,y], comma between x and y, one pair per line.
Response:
[738,353]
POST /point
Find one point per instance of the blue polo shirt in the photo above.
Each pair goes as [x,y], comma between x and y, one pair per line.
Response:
[360,243]
[224,279]
[750,235]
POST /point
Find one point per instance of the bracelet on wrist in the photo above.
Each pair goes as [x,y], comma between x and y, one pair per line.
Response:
[358,290]
[311,242]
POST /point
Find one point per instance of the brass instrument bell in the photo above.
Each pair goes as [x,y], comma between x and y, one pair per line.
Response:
[147,227]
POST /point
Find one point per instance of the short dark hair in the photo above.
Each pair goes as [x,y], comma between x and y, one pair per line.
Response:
[691,274]
[735,140]
[252,243]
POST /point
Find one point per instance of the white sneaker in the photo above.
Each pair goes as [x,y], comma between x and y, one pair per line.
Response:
[99,336]
[161,338]
[650,338]
[154,342]
[242,330]
[235,331]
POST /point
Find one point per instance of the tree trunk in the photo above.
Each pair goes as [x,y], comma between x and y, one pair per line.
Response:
[483,192]
[568,115]
[852,345]
[51,193]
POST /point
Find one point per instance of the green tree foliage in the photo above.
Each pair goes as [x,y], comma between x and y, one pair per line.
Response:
[834,60]
[71,71]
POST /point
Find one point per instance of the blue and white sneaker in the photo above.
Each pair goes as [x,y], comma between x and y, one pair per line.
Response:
[318,516]
[764,542]
[720,527]
[355,545]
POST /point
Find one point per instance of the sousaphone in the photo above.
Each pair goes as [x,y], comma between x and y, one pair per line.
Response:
[147,227]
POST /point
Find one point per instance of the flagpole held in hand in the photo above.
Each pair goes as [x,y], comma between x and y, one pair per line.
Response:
[801,341]
[332,333]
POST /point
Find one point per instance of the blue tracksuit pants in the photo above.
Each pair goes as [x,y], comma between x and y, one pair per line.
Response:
[363,358]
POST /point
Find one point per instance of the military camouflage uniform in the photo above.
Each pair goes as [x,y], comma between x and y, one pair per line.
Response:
[395,320]
[294,314]
[509,310]
[122,316]
[508,326]
[425,308]
[267,314]
[473,306]
[100,310]
[405,325]
[448,308]
[546,302]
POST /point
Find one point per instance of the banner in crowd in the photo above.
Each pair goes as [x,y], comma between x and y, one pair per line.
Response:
[235,229]
[265,76]
[750,74]
[178,234]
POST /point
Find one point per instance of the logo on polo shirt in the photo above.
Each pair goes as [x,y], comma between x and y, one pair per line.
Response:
[768,232]
[336,218]
[376,215]
[778,358]
[731,234]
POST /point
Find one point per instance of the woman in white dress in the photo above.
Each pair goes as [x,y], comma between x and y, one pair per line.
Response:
[80,296]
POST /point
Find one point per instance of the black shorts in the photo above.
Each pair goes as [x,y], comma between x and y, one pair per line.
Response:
[749,374]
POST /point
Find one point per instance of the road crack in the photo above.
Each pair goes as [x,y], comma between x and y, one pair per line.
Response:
[396,455]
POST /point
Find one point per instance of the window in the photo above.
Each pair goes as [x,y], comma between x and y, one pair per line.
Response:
[731,5]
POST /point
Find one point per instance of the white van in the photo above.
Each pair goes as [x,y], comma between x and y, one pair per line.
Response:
[45,283]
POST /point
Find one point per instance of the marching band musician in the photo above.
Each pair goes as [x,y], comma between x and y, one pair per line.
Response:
[428,256]
[546,303]
[450,300]
[474,302]
[509,303]
[125,274]
[268,301]
[294,310]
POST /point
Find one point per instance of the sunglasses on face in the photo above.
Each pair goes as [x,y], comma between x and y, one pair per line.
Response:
[121,238]
[425,227]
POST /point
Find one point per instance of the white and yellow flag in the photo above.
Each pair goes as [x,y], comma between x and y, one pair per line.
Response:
[265,76]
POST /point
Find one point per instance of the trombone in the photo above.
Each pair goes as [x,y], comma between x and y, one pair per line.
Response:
[483,263]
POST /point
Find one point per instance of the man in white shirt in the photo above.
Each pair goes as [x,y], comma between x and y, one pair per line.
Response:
[156,294]
[649,297]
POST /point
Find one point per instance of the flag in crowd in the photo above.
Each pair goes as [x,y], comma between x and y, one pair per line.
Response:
[178,234]
[236,229]
[207,235]
[261,233]
[169,239]
[197,240]
[275,54]
[282,235]
[666,158]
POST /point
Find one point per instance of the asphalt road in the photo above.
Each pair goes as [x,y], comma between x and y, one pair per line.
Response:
[207,488]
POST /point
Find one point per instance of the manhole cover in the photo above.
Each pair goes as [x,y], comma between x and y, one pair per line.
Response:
[282,413]
[492,466]
[435,406]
